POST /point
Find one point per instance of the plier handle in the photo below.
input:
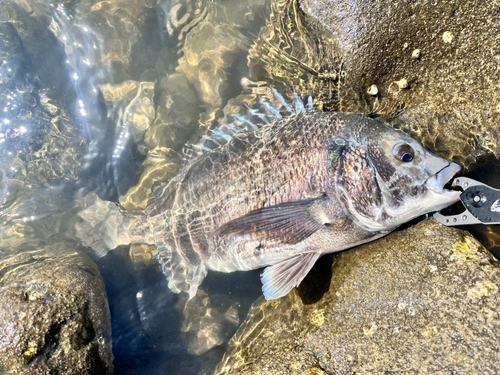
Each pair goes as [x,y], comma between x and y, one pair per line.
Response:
[481,202]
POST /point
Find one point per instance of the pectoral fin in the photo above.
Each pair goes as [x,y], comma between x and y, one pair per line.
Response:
[289,222]
[280,279]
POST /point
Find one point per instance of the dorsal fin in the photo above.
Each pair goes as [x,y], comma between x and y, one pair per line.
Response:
[262,113]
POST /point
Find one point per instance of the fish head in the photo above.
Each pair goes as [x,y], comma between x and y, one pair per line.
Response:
[386,178]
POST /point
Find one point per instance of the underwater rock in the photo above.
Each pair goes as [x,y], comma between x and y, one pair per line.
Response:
[295,55]
[160,165]
[434,65]
[178,110]
[211,49]
[54,315]
[131,104]
[204,326]
[42,139]
[209,52]
[425,299]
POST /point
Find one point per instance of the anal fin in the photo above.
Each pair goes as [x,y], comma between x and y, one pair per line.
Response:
[181,274]
[280,279]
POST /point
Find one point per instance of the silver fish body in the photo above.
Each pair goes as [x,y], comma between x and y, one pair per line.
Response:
[283,195]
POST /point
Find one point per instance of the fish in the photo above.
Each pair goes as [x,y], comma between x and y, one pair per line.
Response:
[278,195]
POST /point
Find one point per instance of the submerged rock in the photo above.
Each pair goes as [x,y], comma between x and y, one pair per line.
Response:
[422,300]
[54,315]
[204,325]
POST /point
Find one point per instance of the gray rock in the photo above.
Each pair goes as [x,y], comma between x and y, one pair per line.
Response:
[422,300]
[54,315]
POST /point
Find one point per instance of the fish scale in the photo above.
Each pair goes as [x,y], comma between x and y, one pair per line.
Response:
[282,195]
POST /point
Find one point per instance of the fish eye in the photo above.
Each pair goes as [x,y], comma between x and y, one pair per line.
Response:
[403,152]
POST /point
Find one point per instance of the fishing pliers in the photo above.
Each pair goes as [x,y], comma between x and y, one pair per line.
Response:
[481,202]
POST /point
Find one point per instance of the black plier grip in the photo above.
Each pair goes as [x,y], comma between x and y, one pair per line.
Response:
[481,202]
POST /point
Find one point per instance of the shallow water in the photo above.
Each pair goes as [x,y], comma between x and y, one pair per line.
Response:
[147,316]
[101,97]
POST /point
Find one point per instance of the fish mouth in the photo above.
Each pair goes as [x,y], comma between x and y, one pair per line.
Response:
[437,183]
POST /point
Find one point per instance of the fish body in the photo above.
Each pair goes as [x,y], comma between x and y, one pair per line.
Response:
[283,195]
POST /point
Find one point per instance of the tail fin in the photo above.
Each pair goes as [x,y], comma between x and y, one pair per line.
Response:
[182,275]
[98,227]
[103,226]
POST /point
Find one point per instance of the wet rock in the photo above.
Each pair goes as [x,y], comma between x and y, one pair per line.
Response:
[54,315]
[442,53]
[295,55]
[422,300]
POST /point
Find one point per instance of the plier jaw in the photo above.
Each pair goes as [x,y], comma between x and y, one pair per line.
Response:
[481,202]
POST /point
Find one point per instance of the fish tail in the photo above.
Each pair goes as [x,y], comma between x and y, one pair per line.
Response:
[102,226]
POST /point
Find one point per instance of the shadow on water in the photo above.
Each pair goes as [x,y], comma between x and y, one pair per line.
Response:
[317,281]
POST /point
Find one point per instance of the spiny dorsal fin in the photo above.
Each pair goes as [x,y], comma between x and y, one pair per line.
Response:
[264,112]
[289,223]
[280,279]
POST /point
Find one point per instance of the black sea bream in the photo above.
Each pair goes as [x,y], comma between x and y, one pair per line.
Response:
[279,197]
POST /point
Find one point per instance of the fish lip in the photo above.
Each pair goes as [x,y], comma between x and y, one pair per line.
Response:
[436,182]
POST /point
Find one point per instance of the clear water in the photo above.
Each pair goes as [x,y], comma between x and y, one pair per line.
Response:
[96,97]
